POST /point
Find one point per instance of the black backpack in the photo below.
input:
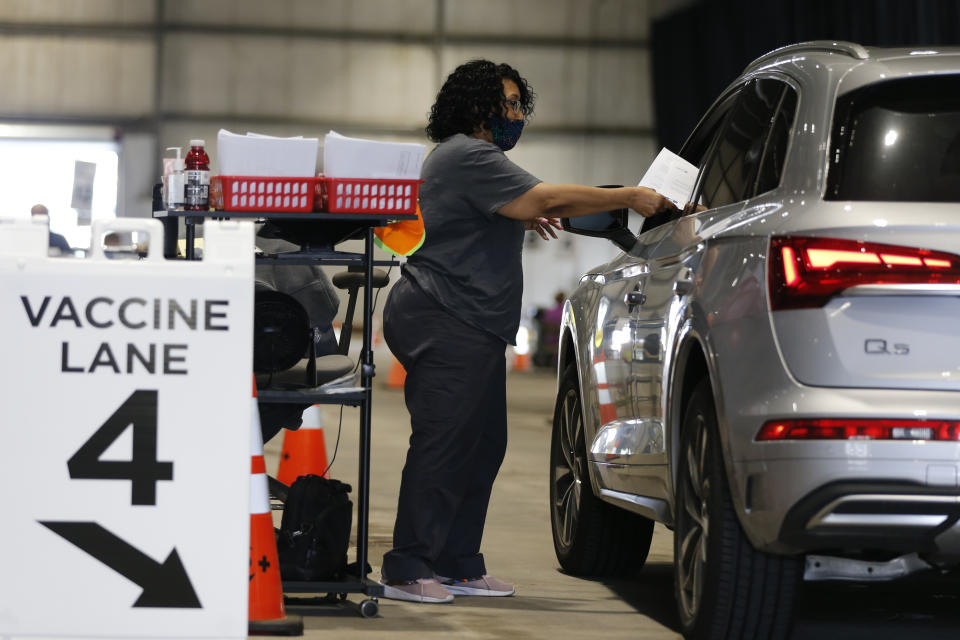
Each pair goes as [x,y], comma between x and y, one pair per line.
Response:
[315,530]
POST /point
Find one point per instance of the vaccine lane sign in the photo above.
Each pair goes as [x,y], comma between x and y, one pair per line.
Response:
[104,315]
[124,475]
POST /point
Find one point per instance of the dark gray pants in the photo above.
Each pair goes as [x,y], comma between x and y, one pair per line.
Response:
[456,394]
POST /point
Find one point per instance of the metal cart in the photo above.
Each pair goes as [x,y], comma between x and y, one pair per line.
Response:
[324,252]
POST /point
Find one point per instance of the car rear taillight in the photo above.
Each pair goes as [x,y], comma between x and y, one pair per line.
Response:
[859,429]
[806,272]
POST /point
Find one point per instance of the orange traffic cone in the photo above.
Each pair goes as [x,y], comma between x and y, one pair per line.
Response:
[608,409]
[397,376]
[521,361]
[304,450]
[265,613]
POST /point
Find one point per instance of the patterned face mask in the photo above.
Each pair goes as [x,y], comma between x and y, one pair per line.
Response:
[506,132]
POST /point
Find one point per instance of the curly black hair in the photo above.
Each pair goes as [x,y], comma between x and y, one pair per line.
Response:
[470,95]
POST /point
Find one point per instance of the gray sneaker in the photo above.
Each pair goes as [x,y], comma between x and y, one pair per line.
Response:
[420,590]
[483,586]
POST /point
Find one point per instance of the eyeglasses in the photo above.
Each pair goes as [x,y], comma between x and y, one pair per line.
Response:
[516,105]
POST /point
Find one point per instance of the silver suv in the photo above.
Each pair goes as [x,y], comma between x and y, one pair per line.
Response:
[776,377]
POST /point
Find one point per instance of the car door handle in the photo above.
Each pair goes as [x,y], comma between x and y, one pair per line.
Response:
[634,299]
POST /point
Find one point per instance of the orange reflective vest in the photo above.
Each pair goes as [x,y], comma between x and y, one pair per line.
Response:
[403,237]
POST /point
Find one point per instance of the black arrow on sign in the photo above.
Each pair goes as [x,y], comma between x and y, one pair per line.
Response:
[164,585]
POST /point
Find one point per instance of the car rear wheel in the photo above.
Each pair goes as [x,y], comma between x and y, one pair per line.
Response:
[725,588]
[590,536]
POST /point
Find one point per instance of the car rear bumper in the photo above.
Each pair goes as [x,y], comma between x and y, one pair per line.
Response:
[828,505]
[773,481]
[875,516]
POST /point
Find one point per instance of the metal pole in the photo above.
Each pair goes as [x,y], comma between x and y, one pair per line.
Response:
[191,237]
[366,380]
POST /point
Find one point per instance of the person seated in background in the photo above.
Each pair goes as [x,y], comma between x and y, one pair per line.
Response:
[122,246]
[548,338]
[57,241]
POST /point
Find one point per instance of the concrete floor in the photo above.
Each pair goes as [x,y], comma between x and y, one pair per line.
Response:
[518,548]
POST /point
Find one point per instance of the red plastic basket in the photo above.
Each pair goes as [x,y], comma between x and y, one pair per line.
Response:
[362,195]
[253,193]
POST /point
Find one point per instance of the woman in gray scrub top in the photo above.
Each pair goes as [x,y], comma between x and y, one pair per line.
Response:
[452,314]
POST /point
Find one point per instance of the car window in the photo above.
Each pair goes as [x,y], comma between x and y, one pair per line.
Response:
[696,149]
[897,140]
[732,169]
[775,152]
[700,142]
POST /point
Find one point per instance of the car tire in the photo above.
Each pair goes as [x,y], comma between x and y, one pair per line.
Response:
[725,589]
[590,537]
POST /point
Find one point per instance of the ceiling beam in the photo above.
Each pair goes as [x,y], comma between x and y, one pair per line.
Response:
[427,38]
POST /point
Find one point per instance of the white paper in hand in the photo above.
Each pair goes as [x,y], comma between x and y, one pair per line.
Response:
[671,176]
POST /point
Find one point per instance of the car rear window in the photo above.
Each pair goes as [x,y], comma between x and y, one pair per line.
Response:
[898,141]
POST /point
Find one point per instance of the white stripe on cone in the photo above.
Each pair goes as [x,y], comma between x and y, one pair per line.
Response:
[259,502]
[312,418]
[259,495]
[600,369]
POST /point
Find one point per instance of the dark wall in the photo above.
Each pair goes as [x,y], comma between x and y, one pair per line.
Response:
[699,50]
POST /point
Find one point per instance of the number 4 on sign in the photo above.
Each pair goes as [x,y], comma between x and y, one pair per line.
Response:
[143,469]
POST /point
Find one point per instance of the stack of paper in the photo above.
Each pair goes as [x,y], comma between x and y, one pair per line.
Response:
[671,176]
[345,157]
[259,155]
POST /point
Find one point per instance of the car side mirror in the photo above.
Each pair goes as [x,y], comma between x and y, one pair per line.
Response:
[611,225]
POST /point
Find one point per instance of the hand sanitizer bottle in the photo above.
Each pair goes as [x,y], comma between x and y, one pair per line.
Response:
[174,191]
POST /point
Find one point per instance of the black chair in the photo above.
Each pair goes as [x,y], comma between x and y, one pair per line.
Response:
[284,351]
[282,335]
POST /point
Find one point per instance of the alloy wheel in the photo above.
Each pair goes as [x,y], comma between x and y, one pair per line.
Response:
[568,469]
[694,519]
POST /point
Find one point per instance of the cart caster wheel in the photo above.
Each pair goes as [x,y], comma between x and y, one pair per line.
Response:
[369,608]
